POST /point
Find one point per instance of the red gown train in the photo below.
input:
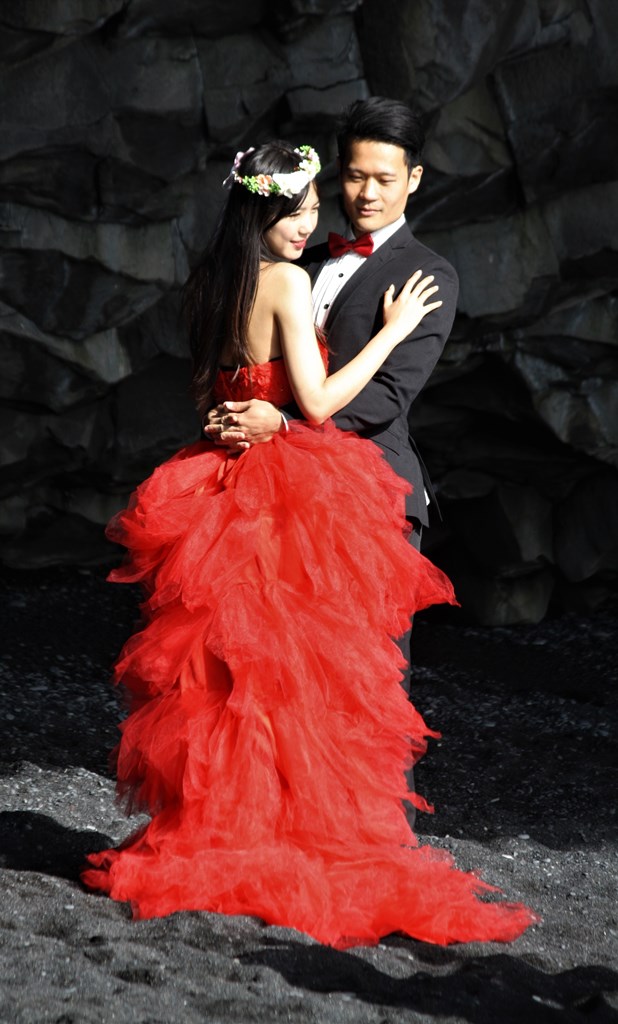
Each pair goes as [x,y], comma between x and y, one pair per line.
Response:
[268,732]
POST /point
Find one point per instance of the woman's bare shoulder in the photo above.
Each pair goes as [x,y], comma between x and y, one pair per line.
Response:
[287,278]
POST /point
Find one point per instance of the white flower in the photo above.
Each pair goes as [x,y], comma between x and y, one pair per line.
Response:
[293,183]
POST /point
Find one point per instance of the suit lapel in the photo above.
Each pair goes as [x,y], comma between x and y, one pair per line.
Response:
[313,258]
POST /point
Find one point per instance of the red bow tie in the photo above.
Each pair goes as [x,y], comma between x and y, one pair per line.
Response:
[338,246]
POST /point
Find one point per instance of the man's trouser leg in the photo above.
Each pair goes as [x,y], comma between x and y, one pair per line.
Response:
[404,641]
[404,645]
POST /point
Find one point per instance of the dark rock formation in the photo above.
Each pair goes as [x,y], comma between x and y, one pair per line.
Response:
[519,421]
[119,122]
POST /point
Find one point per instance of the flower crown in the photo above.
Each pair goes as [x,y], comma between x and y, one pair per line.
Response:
[278,184]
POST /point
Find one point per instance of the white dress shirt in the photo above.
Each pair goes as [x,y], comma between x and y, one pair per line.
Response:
[337,271]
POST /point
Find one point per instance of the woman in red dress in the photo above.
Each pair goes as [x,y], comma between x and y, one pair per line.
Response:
[268,733]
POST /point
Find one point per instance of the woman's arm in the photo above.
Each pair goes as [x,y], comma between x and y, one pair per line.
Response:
[401,378]
[317,395]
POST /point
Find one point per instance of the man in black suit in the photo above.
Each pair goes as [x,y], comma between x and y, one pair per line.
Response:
[380,143]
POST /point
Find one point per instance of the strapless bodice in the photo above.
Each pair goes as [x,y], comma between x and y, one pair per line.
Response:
[268,381]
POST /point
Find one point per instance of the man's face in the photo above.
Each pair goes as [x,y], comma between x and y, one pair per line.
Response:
[376,183]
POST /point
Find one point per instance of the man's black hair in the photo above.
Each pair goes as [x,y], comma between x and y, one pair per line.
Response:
[379,119]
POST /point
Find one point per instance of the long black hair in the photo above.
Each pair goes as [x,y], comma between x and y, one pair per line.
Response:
[219,295]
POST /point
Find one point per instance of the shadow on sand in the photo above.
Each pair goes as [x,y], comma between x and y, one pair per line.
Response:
[35,842]
[499,988]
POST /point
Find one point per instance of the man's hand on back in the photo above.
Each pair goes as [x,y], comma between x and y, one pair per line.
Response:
[238,425]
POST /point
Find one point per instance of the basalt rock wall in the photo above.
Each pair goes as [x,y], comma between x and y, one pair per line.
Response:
[119,121]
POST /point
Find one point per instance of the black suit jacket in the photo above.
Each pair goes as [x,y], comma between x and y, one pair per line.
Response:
[380,411]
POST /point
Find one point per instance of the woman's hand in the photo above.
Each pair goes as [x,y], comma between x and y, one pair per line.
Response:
[405,312]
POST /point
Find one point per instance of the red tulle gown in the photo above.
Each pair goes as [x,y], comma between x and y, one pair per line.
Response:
[268,732]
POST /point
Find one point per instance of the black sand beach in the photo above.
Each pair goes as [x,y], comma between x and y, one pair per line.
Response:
[523,781]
